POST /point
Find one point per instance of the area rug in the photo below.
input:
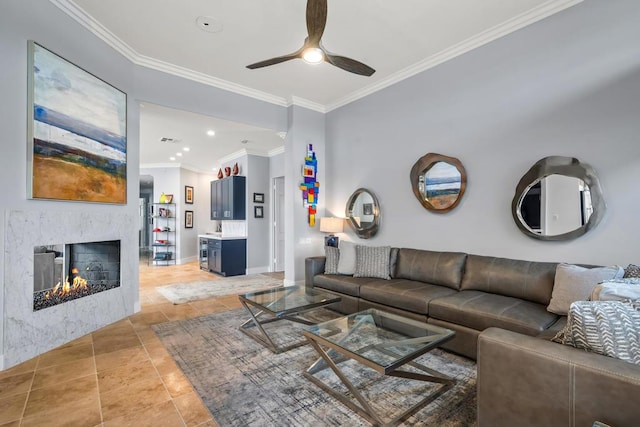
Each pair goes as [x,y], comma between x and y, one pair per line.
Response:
[185,292]
[244,384]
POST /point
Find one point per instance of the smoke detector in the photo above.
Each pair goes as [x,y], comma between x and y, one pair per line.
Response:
[209,24]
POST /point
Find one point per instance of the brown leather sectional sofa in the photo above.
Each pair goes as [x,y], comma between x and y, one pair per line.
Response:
[497,307]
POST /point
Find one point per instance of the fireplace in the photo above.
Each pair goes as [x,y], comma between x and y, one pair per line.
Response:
[70,271]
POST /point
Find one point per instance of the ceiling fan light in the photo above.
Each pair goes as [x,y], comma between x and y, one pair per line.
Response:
[313,55]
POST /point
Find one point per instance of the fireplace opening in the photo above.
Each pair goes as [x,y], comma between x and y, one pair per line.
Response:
[66,272]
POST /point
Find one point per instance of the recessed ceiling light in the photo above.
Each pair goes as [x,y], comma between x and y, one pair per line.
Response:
[211,132]
[172,158]
[214,169]
[186,149]
[179,154]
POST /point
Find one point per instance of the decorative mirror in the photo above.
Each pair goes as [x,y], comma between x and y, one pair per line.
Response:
[559,198]
[438,182]
[363,213]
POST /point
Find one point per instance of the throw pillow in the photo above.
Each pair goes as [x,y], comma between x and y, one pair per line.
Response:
[632,271]
[332,255]
[617,290]
[574,283]
[611,328]
[347,261]
[372,261]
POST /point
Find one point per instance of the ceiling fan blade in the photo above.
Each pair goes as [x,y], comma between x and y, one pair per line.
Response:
[316,20]
[349,64]
[273,61]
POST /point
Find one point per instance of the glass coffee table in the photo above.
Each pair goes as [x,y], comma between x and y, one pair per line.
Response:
[287,303]
[384,342]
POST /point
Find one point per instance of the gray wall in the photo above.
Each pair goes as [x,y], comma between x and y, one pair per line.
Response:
[258,247]
[305,127]
[189,236]
[568,85]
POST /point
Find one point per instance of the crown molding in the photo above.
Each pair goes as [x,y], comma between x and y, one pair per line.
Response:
[95,27]
[305,103]
[160,165]
[275,151]
[536,14]
[544,10]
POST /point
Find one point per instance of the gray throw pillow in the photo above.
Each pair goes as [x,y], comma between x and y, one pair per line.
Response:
[332,255]
[611,328]
[574,283]
[617,290]
[372,261]
[347,261]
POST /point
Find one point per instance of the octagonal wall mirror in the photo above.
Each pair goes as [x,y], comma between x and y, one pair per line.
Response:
[438,182]
[363,213]
[559,198]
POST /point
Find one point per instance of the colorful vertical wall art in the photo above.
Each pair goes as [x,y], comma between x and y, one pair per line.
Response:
[310,187]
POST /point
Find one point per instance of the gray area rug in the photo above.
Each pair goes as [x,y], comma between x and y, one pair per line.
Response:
[185,292]
[244,384]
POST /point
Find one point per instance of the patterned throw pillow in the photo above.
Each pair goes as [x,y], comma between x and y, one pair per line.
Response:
[372,261]
[632,271]
[611,328]
[331,264]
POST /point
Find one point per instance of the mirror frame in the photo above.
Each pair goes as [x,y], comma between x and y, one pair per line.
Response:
[370,231]
[566,166]
[423,165]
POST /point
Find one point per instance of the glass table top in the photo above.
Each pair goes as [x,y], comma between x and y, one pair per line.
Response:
[384,339]
[281,301]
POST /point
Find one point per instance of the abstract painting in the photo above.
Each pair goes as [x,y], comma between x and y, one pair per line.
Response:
[77,133]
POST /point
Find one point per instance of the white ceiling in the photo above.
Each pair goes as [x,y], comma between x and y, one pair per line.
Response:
[397,38]
[189,130]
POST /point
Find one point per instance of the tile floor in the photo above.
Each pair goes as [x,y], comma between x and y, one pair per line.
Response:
[120,375]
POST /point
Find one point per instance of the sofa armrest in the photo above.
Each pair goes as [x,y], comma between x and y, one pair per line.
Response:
[312,266]
[527,381]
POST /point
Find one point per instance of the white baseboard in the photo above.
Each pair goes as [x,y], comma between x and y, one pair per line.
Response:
[258,270]
[1,362]
[137,307]
[187,260]
[289,282]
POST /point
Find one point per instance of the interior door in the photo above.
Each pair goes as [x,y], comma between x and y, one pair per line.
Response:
[278,223]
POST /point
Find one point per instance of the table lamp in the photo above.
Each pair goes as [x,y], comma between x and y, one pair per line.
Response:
[331,225]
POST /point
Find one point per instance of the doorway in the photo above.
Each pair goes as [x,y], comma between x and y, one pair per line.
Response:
[278,224]
[144,212]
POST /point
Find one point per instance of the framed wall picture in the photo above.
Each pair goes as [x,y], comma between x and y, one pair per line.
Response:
[258,211]
[258,197]
[188,219]
[188,195]
[76,134]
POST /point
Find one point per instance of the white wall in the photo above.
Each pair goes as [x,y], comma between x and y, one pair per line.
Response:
[568,85]
[258,243]
[189,236]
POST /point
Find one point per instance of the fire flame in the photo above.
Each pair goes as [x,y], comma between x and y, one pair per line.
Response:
[68,287]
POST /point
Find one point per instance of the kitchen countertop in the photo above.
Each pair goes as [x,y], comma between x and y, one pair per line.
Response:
[219,236]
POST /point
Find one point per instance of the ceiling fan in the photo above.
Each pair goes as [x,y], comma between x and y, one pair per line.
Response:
[312,50]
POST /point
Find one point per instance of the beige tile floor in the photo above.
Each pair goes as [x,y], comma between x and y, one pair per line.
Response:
[120,375]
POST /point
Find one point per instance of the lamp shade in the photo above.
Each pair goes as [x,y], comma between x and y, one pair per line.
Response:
[331,225]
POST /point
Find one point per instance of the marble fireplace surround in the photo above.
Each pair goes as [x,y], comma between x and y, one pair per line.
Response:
[28,333]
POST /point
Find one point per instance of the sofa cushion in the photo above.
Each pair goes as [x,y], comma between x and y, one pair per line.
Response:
[611,328]
[480,310]
[344,284]
[372,261]
[575,283]
[404,294]
[438,268]
[528,280]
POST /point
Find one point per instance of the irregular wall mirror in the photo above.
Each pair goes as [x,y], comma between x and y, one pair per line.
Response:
[559,198]
[438,181]
[363,213]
